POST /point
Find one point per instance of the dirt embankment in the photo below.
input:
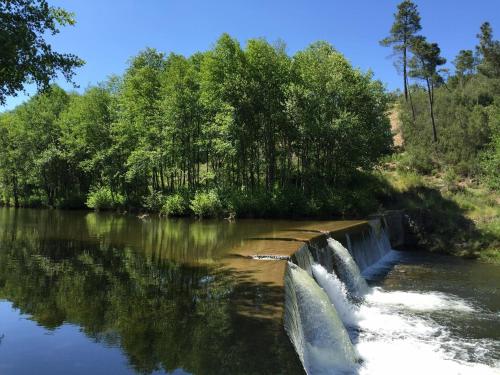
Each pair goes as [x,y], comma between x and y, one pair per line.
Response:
[396,127]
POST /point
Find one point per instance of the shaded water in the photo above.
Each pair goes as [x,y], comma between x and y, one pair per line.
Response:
[94,293]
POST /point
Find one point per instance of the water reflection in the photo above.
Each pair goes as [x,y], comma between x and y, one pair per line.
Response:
[155,290]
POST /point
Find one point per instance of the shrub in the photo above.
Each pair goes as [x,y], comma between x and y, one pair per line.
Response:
[450,179]
[490,159]
[174,205]
[154,201]
[102,198]
[206,204]
[249,204]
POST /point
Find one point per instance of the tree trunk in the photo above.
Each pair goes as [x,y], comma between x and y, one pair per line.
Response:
[15,191]
[411,105]
[405,74]
[430,93]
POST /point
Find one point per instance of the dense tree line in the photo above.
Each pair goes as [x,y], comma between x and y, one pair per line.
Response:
[250,130]
[450,121]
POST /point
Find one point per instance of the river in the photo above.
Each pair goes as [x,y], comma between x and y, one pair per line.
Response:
[101,293]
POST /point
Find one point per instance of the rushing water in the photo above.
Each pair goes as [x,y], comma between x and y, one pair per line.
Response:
[321,340]
[423,314]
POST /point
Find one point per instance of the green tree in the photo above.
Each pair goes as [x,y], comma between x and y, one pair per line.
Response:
[136,141]
[269,71]
[183,117]
[26,55]
[424,65]
[339,114]
[404,29]
[265,132]
[465,65]
[86,136]
[489,52]
[224,95]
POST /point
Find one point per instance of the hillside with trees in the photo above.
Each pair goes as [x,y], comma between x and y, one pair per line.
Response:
[448,167]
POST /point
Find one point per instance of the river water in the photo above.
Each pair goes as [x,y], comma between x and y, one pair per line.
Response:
[102,293]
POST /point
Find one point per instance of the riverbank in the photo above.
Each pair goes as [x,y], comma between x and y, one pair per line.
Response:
[445,214]
[448,215]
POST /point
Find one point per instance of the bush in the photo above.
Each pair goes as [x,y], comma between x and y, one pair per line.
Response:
[490,158]
[206,204]
[102,198]
[450,179]
[154,201]
[174,205]
[249,204]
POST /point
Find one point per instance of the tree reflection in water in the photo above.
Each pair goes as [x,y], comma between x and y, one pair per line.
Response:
[164,314]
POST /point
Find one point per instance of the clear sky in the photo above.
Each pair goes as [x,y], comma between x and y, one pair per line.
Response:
[109,32]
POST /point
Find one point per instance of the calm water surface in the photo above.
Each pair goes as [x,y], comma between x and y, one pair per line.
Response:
[86,293]
[94,293]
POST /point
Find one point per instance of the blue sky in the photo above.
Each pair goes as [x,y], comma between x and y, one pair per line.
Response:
[109,32]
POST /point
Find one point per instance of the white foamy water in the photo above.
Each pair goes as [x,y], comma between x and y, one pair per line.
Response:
[337,293]
[430,301]
[392,336]
[414,356]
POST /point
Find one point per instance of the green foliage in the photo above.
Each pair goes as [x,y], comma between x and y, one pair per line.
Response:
[206,204]
[465,63]
[450,179]
[271,132]
[403,31]
[102,198]
[465,113]
[154,201]
[26,55]
[490,157]
[489,52]
[174,205]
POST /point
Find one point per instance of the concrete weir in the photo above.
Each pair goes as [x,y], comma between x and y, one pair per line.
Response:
[269,265]
[260,263]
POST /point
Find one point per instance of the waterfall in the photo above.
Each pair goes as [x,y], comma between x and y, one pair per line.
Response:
[304,259]
[347,269]
[314,327]
[370,246]
[337,292]
[390,334]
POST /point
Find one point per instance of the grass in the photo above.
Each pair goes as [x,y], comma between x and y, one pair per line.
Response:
[458,216]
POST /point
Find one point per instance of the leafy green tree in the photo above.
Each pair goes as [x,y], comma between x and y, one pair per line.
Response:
[465,65]
[489,52]
[424,65]
[339,114]
[269,71]
[136,142]
[26,55]
[183,116]
[87,138]
[224,95]
[267,133]
[490,157]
